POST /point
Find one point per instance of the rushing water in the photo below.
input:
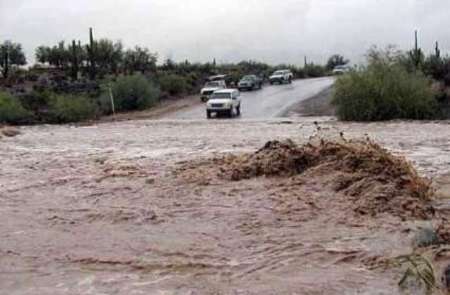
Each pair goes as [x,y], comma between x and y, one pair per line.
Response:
[97,210]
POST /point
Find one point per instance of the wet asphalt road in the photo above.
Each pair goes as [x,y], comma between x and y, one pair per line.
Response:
[270,102]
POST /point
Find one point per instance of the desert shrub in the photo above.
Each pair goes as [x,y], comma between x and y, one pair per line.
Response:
[130,93]
[384,90]
[36,101]
[299,73]
[314,71]
[69,108]
[174,84]
[11,110]
[193,80]
[435,67]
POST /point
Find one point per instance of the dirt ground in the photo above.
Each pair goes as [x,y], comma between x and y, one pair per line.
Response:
[318,105]
[120,208]
[174,104]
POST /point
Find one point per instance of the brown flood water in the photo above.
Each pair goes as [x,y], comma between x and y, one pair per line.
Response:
[102,210]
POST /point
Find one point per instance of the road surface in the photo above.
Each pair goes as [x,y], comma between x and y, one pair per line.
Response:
[270,102]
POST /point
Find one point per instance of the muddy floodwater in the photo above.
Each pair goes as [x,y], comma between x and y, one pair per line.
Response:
[104,209]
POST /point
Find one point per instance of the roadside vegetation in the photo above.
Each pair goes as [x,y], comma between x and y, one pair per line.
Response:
[11,110]
[75,82]
[395,85]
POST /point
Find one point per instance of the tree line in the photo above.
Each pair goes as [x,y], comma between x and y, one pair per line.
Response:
[101,57]
[98,58]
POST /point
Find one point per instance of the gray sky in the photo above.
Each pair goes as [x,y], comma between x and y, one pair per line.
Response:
[273,31]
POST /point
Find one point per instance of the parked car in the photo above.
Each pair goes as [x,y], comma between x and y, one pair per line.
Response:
[281,77]
[225,101]
[210,87]
[342,69]
[250,82]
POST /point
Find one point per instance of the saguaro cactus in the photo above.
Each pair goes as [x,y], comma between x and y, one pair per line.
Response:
[75,60]
[437,50]
[91,49]
[416,54]
[5,62]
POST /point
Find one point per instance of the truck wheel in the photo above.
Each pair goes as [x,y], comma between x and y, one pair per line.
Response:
[238,110]
[290,81]
[208,114]
[230,113]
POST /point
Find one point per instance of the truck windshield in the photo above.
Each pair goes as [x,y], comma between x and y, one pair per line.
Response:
[279,73]
[248,78]
[221,95]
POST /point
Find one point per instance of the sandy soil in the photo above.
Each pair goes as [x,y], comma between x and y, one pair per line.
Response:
[112,209]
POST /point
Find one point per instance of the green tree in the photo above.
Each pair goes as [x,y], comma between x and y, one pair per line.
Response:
[108,56]
[11,55]
[42,54]
[336,60]
[139,59]
[57,56]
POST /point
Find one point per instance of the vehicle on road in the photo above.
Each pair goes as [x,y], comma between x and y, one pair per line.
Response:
[226,102]
[342,69]
[218,78]
[250,82]
[210,87]
[281,77]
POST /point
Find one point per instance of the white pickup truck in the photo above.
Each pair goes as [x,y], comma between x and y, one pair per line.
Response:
[281,76]
[226,101]
[210,87]
[341,69]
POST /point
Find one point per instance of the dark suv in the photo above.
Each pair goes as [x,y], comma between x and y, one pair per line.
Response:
[250,82]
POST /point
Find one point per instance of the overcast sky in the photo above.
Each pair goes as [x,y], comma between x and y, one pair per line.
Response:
[273,31]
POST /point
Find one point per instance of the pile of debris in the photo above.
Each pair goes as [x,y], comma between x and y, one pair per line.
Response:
[373,179]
